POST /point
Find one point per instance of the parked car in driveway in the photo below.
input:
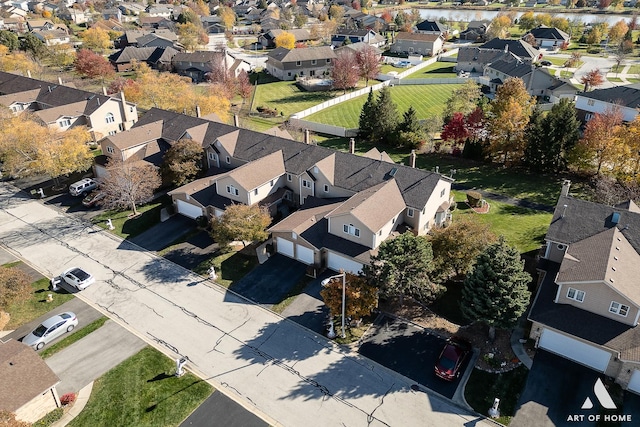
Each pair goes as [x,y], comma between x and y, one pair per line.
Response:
[83,186]
[452,358]
[402,64]
[51,329]
[545,63]
[76,277]
[93,199]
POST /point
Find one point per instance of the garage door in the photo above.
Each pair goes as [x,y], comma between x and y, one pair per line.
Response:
[187,209]
[634,382]
[285,247]
[337,263]
[575,350]
[304,254]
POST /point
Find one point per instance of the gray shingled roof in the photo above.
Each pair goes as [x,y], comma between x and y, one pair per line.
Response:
[307,54]
[513,68]
[519,47]
[623,95]
[551,33]
[428,25]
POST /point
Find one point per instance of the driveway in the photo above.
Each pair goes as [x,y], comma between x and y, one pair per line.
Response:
[410,351]
[92,356]
[224,411]
[557,388]
[270,282]
[308,308]
[163,234]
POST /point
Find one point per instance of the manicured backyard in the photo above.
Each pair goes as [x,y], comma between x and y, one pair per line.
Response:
[437,70]
[428,100]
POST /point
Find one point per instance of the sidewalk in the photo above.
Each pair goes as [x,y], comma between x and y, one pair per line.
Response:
[81,400]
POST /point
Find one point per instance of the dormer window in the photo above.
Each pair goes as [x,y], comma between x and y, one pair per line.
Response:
[110,150]
[351,230]
[232,190]
[65,123]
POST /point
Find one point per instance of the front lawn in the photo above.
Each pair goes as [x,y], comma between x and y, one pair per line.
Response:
[143,391]
[427,100]
[77,336]
[483,387]
[126,226]
[437,70]
[230,266]
[37,305]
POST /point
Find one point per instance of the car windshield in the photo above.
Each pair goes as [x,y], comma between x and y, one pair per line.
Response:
[65,315]
[40,330]
[446,363]
[80,274]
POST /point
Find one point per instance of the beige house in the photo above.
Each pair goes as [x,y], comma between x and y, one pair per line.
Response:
[285,64]
[418,43]
[28,385]
[588,304]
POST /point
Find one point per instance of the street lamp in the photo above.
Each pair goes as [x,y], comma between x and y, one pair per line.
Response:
[326,281]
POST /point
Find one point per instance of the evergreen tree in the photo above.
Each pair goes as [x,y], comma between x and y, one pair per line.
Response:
[385,116]
[495,293]
[535,155]
[367,117]
[402,268]
[410,131]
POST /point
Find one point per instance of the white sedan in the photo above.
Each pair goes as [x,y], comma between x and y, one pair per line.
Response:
[76,277]
[51,329]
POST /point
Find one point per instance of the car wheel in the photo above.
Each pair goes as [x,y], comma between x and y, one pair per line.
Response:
[70,328]
[40,345]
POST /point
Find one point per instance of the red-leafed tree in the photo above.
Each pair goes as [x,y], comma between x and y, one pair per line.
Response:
[244,85]
[368,62]
[93,65]
[603,4]
[456,130]
[476,125]
[119,84]
[355,4]
[593,78]
[386,16]
[345,73]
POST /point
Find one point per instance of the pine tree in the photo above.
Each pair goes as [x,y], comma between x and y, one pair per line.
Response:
[410,131]
[564,132]
[367,117]
[535,154]
[495,292]
[385,116]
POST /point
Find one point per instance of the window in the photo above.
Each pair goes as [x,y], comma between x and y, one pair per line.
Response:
[110,150]
[121,127]
[289,177]
[442,192]
[410,212]
[575,294]
[350,229]
[255,191]
[109,118]
[326,188]
[314,62]
[619,309]
[289,74]
[212,156]
[64,123]
[588,116]
[131,109]
[298,63]
[232,190]
[306,183]
[270,183]
[591,102]
[228,159]
[113,132]
[328,60]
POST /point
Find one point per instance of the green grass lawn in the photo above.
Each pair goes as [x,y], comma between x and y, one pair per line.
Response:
[77,336]
[483,387]
[634,69]
[428,100]
[127,227]
[37,305]
[230,266]
[143,391]
[437,70]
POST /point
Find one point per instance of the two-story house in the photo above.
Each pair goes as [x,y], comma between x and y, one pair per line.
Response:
[626,98]
[417,44]
[474,59]
[587,306]
[432,27]
[549,38]
[268,38]
[343,37]
[287,64]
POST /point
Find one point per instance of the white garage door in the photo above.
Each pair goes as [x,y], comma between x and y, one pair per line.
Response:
[285,247]
[187,209]
[337,263]
[304,254]
[575,350]
[634,382]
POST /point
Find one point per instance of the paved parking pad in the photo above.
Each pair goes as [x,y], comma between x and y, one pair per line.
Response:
[410,351]
[219,410]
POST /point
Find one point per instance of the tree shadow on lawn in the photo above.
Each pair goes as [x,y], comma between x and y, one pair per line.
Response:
[302,97]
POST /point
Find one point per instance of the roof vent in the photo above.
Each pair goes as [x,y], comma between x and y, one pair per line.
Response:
[615,257]
[615,218]
[611,280]
[613,268]
[617,248]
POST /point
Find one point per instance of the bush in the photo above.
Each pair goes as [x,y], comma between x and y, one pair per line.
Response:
[68,399]
[50,418]
[474,198]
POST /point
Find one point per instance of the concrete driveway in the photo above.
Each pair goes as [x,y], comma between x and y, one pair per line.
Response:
[270,282]
[557,388]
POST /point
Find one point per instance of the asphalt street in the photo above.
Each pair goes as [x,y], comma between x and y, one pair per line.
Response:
[219,410]
[286,373]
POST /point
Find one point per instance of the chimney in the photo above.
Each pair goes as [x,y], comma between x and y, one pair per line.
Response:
[29,73]
[236,120]
[566,184]
[307,137]
[125,111]
[60,80]
[437,169]
[564,211]
[352,145]
[198,111]
[412,159]
[104,91]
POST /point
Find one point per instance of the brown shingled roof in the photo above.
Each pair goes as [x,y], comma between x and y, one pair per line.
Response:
[137,135]
[257,172]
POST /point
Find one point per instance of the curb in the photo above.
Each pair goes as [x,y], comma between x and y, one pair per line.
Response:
[81,401]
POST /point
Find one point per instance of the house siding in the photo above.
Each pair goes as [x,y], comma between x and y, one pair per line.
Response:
[385,231]
[427,219]
[281,70]
[242,197]
[414,46]
[336,224]
[305,191]
[100,127]
[597,299]
[39,406]
[264,190]
[582,103]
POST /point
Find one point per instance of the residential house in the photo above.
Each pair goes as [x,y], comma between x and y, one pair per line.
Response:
[158,58]
[155,40]
[549,38]
[155,22]
[432,27]
[626,98]
[112,13]
[77,16]
[476,30]
[588,303]
[213,24]
[344,37]
[268,39]
[63,107]
[108,25]
[417,43]
[15,24]
[356,47]
[52,37]
[537,81]
[473,59]
[373,199]
[163,11]
[131,37]
[28,384]
[285,64]
[196,65]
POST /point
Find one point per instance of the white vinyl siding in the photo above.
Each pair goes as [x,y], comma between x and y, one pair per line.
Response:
[575,295]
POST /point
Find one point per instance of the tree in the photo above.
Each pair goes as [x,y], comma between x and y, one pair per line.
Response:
[32,44]
[410,131]
[345,72]
[64,153]
[463,100]
[241,222]
[402,267]
[9,39]
[617,32]
[386,115]
[456,247]
[368,62]
[367,121]
[182,162]
[455,130]
[595,35]
[244,86]
[96,39]
[499,27]
[300,19]
[93,65]
[192,36]
[61,55]
[336,12]
[593,78]
[386,16]
[509,116]
[361,298]
[16,61]
[286,40]
[495,293]
[128,184]
[228,17]
[15,287]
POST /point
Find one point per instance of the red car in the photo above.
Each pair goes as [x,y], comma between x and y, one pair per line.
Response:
[453,355]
